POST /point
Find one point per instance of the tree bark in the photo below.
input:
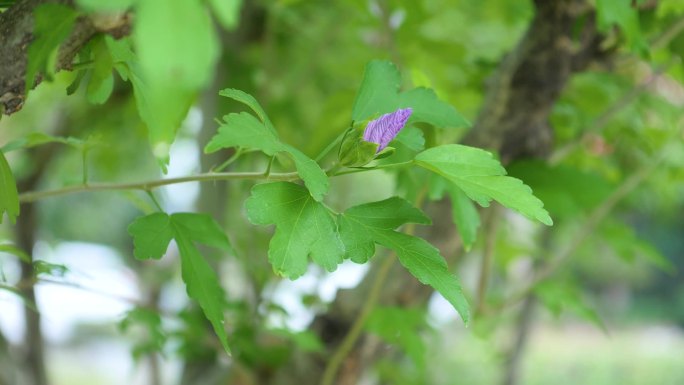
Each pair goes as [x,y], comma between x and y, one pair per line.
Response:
[16,34]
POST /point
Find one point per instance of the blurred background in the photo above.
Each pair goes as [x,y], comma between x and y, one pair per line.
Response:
[610,306]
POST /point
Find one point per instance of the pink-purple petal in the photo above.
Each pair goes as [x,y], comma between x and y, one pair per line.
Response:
[385,128]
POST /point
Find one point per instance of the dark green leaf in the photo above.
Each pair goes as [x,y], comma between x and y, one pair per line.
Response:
[245,130]
[379,94]
[52,25]
[9,197]
[151,236]
[465,215]
[101,82]
[482,178]
[363,225]
[303,227]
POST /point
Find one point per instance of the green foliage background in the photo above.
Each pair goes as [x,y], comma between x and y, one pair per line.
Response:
[290,72]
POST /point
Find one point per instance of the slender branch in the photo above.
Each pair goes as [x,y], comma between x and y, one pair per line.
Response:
[33,196]
[354,333]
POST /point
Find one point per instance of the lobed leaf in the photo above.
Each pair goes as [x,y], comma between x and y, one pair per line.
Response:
[379,94]
[362,226]
[482,178]
[245,130]
[151,236]
[303,227]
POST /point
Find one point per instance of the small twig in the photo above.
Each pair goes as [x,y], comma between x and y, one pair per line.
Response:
[33,196]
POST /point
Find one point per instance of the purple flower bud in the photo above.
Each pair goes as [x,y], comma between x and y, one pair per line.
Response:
[383,129]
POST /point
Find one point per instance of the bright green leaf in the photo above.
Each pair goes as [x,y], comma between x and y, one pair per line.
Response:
[178,50]
[52,25]
[465,216]
[105,6]
[425,263]
[249,101]
[151,236]
[482,178]
[33,139]
[227,12]
[387,215]
[411,137]
[9,197]
[17,252]
[245,130]
[101,82]
[379,94]
[303,227]
[176,42]
[362,225]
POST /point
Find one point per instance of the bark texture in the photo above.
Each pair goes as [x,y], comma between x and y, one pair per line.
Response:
[16,34]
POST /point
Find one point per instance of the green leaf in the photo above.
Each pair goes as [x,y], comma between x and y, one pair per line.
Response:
[177,50]
[9,197]
[151,236]
[379,94]
[52,25]
[17,252]
[411,137]
[303,227]
[245,130]
[176,42]
[482,178]
[354,151]
[465,216]
[249,101]
[104,6]
[101,82]
[150,320]
[47,268]
[401,327]
[33,139]
[227,12]
[624,15]
[363,225]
